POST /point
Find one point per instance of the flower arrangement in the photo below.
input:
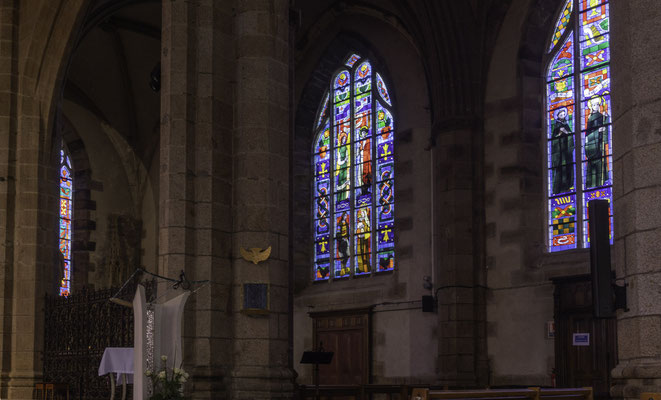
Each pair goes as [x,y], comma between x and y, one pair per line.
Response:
[167,385]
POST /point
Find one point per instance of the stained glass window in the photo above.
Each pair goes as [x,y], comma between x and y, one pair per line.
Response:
[578,121]
[353,187]
[66,216]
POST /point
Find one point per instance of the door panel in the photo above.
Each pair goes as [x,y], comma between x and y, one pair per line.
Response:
[346,334]
[578,366]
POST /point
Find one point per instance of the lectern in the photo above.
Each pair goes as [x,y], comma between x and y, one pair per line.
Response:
[317,357]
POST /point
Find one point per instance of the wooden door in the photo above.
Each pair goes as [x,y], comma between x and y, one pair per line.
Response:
[578,363]
[346,334]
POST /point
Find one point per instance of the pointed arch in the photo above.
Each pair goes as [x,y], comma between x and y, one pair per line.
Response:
[352,207]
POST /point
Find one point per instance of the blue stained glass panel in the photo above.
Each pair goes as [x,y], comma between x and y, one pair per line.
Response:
[363,197]
[560,92]
[585,4]
[363,126]
[383,90]
[342,201]
[322,271]
[596,112]
[563,62]
[65,173]
[322,227]
[352,60]
[342,81]
[342,268]
[363,103]
[562,232]
[322,248]
[595,54]
[561,23]
[322,207]
[342,111]
[594,23]
[322,187]
[385,261]
[363,151]
[65,248]
[384,121]
[385,215]
[65,233]
[595,82]
[385,192]
[363,263]
[363,78]
[65,189]
[560,121]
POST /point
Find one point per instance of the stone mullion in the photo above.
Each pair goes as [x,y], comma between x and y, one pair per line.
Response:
[261,196]
[7,182]
[636,190]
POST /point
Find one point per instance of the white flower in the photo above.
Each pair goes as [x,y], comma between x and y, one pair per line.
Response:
[182,379]
[164,358]
[148,372]
[161,375]
[177,371]
[185,374]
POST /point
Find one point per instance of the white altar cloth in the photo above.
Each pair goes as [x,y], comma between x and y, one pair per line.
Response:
[117,360]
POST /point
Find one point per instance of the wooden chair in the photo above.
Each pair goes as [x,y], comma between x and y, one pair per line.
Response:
[50,391]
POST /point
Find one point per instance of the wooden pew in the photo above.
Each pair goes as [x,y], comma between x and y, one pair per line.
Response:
[509,394]
[533,393]
[584,393]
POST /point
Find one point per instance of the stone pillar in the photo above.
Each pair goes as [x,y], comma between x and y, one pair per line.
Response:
[8,138]
[261,197]
[195,189]
[460,270]
[636,44]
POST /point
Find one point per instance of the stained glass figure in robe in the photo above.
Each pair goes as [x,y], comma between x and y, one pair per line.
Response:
[363,240]
[596,142]
[562,153]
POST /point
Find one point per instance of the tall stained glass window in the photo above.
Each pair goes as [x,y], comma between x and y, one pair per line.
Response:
[579,132]
[353,186]
[66,216]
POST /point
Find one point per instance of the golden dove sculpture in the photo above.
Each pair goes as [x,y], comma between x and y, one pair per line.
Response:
[255,255]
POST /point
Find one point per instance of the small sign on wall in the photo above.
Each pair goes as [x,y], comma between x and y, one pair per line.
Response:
[581,339]
[550,329]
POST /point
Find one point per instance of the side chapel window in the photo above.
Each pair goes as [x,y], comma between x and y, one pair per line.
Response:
[353,186]
[66,214]
[578,121]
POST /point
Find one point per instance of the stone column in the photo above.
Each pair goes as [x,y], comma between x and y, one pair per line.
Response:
[636,45]
[8,138]
[195,188]
[459,263]
[261,197]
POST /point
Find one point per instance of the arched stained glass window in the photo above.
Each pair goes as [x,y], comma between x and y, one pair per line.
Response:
[66,216]
[578,121]
[353,186]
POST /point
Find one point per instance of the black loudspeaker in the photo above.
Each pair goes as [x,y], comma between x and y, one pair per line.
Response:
[600,258]
[428,303]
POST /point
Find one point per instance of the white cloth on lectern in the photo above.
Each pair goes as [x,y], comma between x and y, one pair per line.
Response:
[167,337]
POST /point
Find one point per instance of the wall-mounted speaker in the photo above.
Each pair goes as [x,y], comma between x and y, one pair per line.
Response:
[600,258]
